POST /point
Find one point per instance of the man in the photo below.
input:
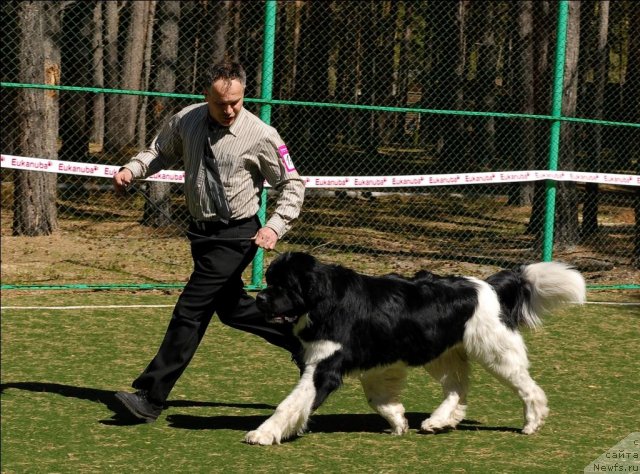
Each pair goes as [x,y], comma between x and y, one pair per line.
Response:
[227,153]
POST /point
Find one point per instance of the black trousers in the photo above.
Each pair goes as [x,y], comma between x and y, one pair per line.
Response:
[215,286]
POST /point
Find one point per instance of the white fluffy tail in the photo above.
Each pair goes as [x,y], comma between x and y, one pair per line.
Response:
[551,284]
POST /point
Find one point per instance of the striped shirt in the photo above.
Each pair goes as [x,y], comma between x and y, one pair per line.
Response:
[247,153]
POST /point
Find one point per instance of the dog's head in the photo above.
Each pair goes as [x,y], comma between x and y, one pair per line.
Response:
[291,280]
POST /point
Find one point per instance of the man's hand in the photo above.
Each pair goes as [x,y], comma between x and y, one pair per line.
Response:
[266,238]
[122,179]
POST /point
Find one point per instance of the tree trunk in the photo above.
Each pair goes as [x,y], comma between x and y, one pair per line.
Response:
[144,102]
[446,87]
[566,224]
[313,66]
[97,130]
[368,140]
[632,95]
[211,38]
[600,56]
[544,28]
[120,132]
[486,78]
[75,126]
[236,25]
[525,89]
[286,62]
[34,191]
[346,88]
[186,79]
[387,60]
[157,208]
[111,69]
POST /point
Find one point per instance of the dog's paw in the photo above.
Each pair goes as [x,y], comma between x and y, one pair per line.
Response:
[430,426]
[532,428]
[262,438]
[535,423]
[400,429]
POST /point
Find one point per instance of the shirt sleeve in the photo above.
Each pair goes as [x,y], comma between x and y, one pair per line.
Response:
[163,152]
[278,170]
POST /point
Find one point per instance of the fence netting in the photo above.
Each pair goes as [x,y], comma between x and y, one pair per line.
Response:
[461,67]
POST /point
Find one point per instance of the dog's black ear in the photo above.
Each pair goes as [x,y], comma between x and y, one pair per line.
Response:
[310,276]
[298,263]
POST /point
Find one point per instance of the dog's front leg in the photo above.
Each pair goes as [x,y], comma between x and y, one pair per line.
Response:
[318,381]
[291,415]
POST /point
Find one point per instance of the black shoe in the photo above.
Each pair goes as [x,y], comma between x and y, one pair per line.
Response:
[139,405]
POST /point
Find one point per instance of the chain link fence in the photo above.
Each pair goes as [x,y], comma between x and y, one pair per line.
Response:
[358,89]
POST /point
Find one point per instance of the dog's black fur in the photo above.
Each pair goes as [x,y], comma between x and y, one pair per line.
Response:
[377,320]
[350,323]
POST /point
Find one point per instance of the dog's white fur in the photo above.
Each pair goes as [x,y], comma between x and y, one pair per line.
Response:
[500,350]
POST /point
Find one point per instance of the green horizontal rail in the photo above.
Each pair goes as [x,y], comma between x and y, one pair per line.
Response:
[374,108]
[613,287]
[156,286]
[114,286]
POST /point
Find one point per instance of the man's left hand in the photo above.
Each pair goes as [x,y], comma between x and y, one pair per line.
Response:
[266,238]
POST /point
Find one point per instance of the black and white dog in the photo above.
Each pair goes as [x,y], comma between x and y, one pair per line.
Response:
[376,327]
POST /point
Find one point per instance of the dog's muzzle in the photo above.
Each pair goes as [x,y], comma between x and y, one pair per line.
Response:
[265,304]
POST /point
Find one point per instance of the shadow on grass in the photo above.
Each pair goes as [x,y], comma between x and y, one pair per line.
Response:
[107,398]
[336,423]
[329,423]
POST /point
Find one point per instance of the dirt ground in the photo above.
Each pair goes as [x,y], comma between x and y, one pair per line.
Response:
[122,253]
[101,242]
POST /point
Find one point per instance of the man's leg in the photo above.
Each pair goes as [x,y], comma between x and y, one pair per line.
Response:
[216,262]
[239,311]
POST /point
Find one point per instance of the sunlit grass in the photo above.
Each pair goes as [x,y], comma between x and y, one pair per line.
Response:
[60,368]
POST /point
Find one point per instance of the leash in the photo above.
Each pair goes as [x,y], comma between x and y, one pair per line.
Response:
[131,190]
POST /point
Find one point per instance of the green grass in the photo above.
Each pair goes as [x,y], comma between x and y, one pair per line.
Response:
[60,369]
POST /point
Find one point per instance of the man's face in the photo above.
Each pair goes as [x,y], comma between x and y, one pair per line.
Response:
[224,100]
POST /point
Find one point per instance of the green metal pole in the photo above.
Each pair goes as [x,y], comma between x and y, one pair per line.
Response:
[268,46]
[554,141]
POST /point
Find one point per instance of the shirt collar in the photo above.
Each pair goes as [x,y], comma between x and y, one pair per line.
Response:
[233,129]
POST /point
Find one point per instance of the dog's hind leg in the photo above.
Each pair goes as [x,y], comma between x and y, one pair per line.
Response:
[509,364]
[503,353]
[382,387]
[451,369]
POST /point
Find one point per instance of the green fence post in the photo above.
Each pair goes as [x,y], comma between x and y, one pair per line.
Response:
[270,9]
[556,124]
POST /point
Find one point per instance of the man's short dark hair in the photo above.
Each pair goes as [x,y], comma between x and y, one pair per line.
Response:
[227,71]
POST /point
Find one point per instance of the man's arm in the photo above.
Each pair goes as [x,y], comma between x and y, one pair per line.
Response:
[161,154]
[279,171]
[122,180]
